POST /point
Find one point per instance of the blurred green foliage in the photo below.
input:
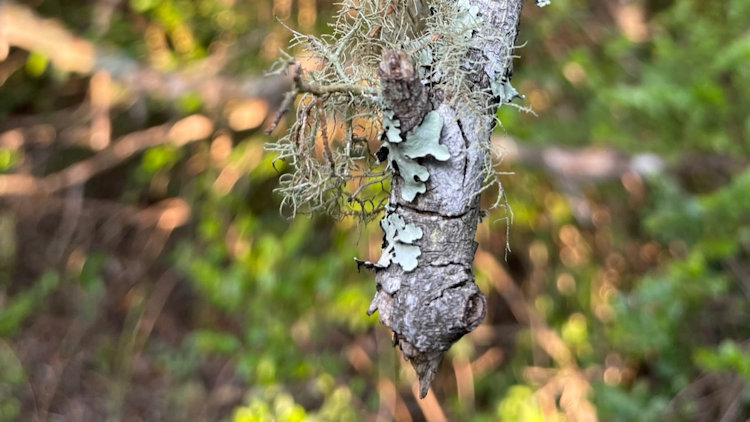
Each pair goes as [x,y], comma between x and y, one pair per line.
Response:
[650,300]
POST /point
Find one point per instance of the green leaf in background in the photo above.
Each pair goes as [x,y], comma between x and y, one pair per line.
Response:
[36,64]
[25,303]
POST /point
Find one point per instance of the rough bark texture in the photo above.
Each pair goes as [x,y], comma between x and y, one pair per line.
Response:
[403,89]
[434,305]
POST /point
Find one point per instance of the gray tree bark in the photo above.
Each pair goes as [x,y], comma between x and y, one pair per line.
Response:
[432,306]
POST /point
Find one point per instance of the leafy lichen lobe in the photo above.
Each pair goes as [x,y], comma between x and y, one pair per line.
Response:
[421,142]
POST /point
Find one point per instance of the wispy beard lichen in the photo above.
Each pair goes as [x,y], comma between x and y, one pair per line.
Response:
[330,147]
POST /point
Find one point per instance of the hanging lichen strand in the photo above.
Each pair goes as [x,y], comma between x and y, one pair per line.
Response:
[340,109]
[423,80]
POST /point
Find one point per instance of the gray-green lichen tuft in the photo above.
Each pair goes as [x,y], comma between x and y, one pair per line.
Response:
[341,114]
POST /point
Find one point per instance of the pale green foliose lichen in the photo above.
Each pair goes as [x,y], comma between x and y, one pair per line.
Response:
[399,237]
[420,142]
[468,19]
[391,127]
[503,90]
[398,245]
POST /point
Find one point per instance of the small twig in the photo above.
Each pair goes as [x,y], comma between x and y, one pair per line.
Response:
[154,307]
[284,108]
[302,114]
[731,411]
[323,90]
[324,134]
[70,219]
[354,194]
[12,63]
[375,30]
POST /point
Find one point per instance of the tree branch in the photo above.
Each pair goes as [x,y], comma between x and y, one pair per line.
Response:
[188,129]
[432,306]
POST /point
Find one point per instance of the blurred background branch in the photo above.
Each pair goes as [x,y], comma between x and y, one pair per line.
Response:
[23,28]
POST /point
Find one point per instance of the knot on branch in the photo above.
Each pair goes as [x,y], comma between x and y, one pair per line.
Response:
[426,322]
